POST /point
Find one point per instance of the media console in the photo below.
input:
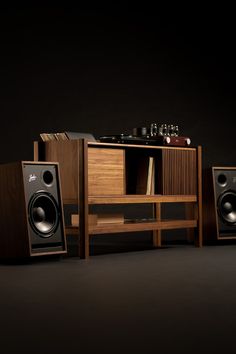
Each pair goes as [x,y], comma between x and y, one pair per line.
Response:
[96,173]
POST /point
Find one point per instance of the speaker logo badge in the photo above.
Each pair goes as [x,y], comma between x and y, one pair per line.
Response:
[32,177]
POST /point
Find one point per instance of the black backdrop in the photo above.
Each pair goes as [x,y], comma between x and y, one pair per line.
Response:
[63,69]
[106,73]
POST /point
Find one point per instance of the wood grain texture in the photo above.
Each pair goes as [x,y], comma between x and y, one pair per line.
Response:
[67,155]
[83,200]
[132,199]
[209,211]
[179,172]
[135,227]
[139,146]
[14,238]
[156,236]
[199,239]
[106,171]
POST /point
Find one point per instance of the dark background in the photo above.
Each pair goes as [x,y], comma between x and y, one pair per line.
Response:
[106,72]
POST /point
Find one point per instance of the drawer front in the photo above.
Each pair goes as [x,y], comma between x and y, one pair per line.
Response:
[106,171]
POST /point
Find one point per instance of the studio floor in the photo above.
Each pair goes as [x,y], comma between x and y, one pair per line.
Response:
[179,299]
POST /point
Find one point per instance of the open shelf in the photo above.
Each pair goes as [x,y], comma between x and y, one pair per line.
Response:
[136,226]
[136,199]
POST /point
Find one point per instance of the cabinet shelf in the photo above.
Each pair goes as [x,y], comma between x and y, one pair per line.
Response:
[136,199]
[136,226]
[133,199]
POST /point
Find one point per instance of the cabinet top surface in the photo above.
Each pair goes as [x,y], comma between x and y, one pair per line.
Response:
[100,144]
[119,145]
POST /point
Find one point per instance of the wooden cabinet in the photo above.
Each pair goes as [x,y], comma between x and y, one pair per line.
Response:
[94,173]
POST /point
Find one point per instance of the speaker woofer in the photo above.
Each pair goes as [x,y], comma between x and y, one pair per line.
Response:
[227,207]
[43,214]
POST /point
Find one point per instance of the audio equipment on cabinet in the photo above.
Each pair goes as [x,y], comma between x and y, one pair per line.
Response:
[155,134]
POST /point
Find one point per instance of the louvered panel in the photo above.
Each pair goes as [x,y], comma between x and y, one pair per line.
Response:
[179,172]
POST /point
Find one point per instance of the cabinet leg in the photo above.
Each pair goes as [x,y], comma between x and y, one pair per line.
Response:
[193,235]
[190,214]
[199,210]
[83,199]
[199,239]
[156,235]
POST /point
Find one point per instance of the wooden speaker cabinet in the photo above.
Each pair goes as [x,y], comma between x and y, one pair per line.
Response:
[31,213]
[219,203]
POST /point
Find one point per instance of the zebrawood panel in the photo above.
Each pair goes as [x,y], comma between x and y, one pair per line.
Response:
[106,171]
[179,172]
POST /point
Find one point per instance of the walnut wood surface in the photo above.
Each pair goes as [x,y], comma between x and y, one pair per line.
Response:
[67,155]
[140,146]
[83,200]
[138,226]
[156,236]
[199,238]
[132,199]
[179,172]
[13,220]
[106,172]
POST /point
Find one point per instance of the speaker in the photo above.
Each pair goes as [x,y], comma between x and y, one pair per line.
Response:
[31,212]
[219,203]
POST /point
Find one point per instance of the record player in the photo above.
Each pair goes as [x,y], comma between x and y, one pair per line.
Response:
[154,135]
